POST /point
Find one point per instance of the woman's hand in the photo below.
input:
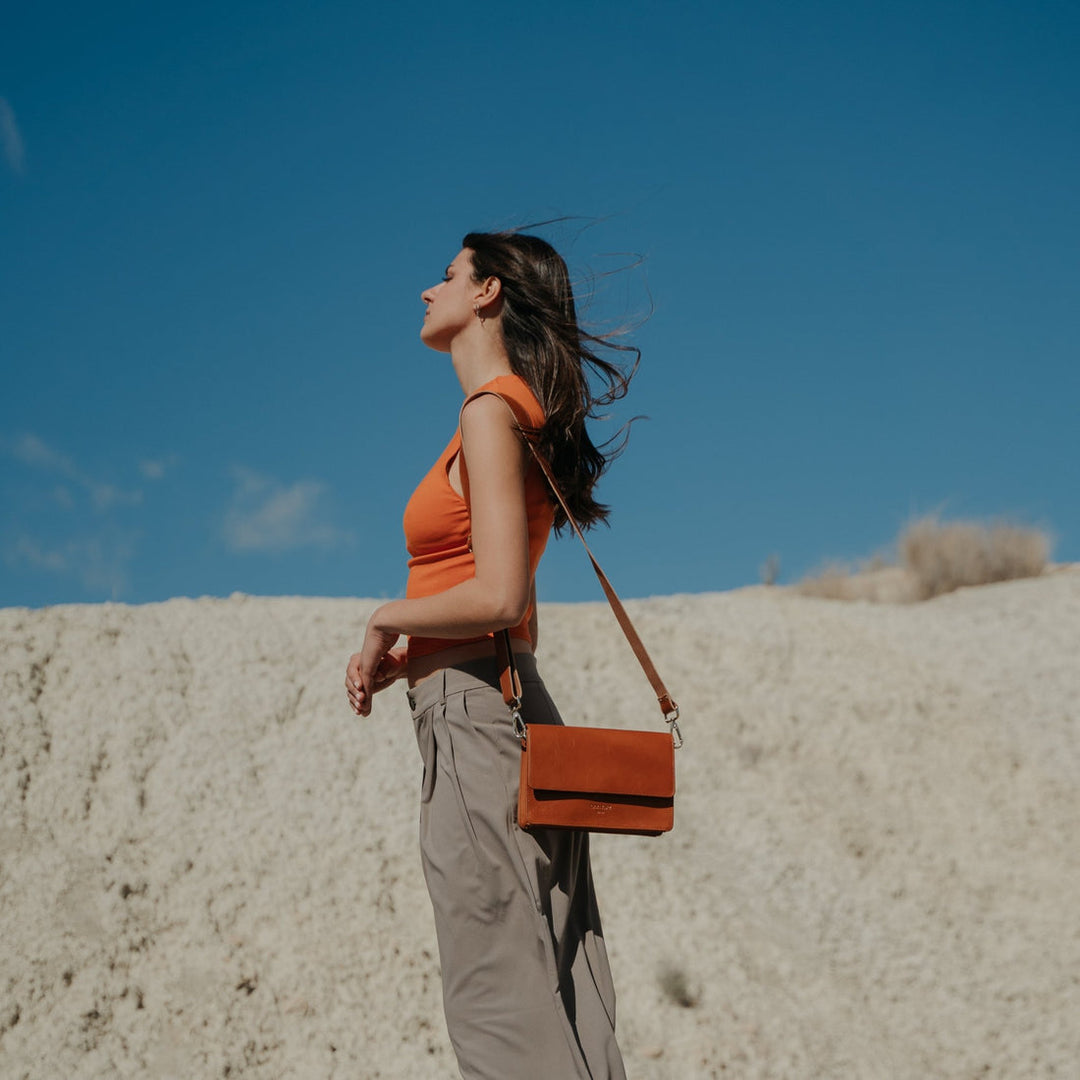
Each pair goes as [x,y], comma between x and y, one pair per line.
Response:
[374,667]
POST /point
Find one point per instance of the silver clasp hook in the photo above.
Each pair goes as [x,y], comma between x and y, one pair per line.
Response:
[519,723]
[672,721]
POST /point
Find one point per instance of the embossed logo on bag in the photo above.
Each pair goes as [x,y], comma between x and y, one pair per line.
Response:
[601,807]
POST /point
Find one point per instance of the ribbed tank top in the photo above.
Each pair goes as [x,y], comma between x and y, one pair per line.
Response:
[437,525]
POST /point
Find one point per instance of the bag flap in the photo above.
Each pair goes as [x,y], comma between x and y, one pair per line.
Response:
[601,760]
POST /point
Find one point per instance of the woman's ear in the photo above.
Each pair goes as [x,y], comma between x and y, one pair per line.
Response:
[489,291]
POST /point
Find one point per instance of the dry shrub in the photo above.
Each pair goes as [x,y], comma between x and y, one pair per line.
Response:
[831,582]
[942,557]
[936,558]
[874,580]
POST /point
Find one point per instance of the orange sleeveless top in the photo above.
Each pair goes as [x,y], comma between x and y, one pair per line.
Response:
[437,524]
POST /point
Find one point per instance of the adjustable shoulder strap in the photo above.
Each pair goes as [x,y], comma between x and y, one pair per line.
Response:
[667,705]
[508,669]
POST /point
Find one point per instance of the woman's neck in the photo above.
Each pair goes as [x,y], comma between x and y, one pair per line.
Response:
[479,358]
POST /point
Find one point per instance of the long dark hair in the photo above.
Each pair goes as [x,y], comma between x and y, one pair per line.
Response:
[554,355]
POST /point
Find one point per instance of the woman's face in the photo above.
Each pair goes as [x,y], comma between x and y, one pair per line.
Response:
[450,304]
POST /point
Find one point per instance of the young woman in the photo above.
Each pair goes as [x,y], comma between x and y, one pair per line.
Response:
[526,985]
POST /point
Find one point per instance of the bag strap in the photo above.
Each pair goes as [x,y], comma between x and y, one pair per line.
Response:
[509,680]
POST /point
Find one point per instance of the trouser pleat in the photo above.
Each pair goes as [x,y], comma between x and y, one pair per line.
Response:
[527,987]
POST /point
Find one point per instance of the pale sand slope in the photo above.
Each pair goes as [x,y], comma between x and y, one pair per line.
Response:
[209,866]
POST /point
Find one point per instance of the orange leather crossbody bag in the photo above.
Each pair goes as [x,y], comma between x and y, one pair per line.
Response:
[599,779]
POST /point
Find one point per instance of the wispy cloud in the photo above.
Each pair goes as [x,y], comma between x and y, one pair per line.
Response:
[156,468]
[99,562]
[11,138]
[35,452]
[30,551]
[265,515]
[31,450]
[87,541]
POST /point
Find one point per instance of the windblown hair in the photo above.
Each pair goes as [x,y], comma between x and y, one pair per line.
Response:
[554,355]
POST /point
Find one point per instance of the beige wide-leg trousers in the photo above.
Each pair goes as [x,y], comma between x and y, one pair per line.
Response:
[526,985]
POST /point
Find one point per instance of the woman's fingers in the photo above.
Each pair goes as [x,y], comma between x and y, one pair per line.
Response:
[366,683]
[355,695]
[359,698]
[391,668]
[372,669]
[353,670]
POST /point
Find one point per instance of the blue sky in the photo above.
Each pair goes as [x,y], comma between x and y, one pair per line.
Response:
[859,226]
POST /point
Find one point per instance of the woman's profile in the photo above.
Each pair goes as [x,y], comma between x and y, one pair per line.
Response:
[527,988]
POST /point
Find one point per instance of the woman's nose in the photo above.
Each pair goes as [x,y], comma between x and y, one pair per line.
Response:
[428,295]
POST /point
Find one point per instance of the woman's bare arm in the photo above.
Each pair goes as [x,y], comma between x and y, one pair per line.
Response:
[498,594]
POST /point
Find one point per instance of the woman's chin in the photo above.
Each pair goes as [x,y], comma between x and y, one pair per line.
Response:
[433,340]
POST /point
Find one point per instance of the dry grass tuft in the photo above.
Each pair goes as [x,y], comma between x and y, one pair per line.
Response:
[834,581]
[770,570]
[936,558]
[942,557]
[874,579]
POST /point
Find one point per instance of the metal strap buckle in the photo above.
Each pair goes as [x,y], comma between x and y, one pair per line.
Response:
[519,723]
[672,721]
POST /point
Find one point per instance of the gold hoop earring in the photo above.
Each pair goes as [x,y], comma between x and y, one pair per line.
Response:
[476,312]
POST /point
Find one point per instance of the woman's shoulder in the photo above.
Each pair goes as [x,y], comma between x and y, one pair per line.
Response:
[515,390]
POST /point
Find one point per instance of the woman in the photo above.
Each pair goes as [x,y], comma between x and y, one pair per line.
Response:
[526,985]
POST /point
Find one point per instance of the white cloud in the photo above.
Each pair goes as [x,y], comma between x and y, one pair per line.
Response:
[105,495]
[156,468]
[101,554]
[102,563]
[31,450]
[99,562]
[29,551]
[265,515]
[35,452]
[11,138]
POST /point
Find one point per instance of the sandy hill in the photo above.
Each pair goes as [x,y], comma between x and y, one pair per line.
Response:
[208,866]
